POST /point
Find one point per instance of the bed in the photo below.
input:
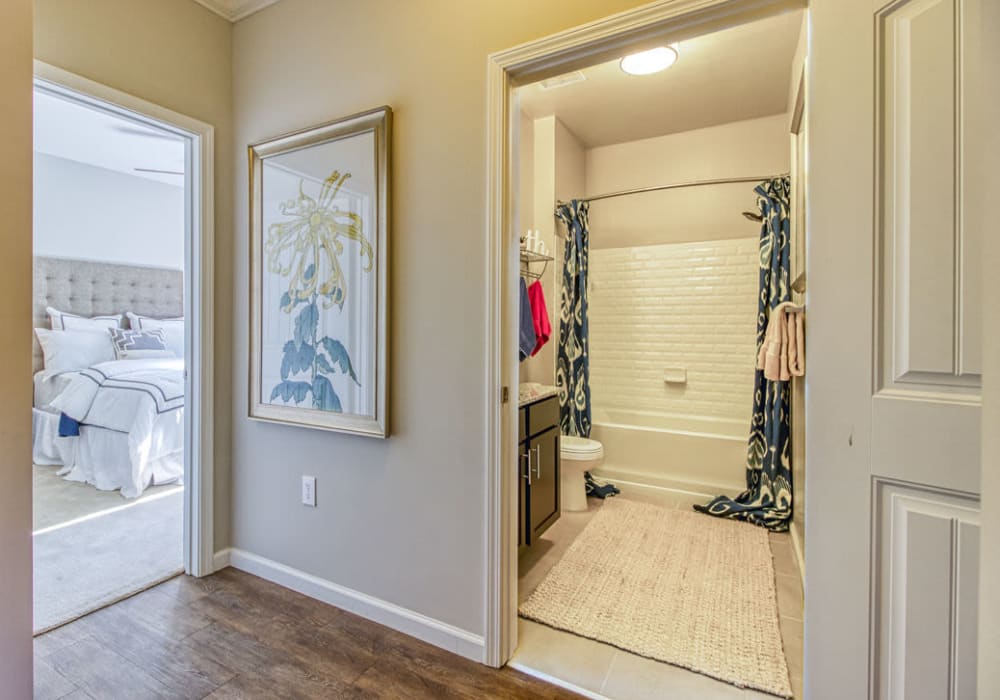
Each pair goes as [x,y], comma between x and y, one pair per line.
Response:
[117,424]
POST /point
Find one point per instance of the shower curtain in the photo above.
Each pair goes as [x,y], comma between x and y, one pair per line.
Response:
[767,500]
[573,361]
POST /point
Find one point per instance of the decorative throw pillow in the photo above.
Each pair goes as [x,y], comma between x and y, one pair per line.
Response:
[66,351]
[63,321]
[173,329]
[138,345]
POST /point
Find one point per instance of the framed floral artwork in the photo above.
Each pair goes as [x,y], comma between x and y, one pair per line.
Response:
[319,235]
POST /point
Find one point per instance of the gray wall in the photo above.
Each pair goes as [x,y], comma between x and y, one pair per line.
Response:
[89,213]
[400,519]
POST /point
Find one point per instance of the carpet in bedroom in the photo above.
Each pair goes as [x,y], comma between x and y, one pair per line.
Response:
[56,501]
[86,565]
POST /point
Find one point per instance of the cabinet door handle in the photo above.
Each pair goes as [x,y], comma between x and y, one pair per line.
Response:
[527,475]
[538,462]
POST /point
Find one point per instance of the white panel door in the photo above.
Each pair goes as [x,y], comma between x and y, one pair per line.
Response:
[893,403]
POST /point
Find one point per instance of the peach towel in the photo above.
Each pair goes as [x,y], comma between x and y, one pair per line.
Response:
[782,354]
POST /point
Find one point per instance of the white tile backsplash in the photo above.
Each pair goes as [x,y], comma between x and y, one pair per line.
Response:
[686,305]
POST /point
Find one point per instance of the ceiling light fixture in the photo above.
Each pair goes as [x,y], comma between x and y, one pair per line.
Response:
[652,61]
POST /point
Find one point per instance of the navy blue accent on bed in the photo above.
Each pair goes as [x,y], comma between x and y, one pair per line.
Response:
[68,427]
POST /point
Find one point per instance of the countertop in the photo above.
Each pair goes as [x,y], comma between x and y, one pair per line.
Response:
[530,393]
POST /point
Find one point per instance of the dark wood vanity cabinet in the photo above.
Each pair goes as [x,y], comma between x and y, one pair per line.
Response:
[538,466]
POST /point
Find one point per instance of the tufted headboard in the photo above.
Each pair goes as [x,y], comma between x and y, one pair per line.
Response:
[91,288]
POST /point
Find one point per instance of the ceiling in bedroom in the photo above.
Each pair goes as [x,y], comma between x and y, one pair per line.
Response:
[76,132]
[735,74]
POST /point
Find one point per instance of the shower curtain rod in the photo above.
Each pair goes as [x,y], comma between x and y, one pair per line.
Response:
[679,185]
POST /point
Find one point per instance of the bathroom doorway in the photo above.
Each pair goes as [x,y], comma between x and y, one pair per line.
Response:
[662,173]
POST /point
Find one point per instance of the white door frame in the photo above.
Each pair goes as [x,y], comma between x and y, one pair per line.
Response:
[199,286]
[641,27]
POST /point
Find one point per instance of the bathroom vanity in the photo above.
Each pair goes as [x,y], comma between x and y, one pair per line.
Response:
[538,465]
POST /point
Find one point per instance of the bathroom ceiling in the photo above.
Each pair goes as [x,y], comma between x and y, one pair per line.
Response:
[739,73]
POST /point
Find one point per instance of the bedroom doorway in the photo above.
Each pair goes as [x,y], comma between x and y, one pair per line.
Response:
[122,310]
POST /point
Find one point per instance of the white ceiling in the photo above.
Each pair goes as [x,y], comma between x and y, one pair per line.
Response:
[69,130]
[235,10]
[735,74]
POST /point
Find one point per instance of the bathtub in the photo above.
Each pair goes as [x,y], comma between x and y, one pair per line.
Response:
[685,453]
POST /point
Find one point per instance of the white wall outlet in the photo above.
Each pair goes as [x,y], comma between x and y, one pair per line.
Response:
[309,491]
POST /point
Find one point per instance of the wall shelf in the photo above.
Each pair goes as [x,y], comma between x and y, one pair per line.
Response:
[529,257]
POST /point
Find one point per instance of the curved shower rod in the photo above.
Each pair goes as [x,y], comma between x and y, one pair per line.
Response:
[679,185]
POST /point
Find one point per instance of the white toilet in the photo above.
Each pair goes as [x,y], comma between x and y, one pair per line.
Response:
[577,455]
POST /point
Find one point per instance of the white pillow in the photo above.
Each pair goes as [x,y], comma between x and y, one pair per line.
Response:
[63,321]
[67,351]
[173,329]
[138,345]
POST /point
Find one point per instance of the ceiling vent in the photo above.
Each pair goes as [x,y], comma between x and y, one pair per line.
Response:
[562,80]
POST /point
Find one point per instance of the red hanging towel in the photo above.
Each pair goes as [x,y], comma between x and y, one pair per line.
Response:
[540,315]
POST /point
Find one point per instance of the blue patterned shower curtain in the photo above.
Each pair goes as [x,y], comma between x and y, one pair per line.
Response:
[573,362]
[767,500]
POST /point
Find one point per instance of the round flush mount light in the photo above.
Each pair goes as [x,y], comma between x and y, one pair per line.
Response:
[652,61]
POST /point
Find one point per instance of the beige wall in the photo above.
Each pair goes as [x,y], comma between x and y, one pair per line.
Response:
[400,519]
[559,163]
[748,148]
[525,168]
[541,367]
[176,54]
[15,351]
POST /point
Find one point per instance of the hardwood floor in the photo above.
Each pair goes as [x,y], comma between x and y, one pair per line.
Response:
[233,635]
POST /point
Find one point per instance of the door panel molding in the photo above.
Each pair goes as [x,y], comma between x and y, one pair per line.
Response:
[929,293]
[925,555]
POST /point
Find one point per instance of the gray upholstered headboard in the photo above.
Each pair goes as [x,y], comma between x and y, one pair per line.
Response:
[90,288]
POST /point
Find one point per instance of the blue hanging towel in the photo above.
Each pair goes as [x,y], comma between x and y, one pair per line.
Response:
[526,324]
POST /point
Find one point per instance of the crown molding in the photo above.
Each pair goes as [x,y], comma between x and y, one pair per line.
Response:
[235,10]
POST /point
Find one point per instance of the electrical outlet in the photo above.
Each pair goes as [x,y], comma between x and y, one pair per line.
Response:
[309,491]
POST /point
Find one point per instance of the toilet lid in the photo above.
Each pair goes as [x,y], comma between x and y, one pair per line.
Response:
[572,445]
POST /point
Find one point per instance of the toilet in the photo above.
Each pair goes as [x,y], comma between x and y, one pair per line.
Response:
[577,455]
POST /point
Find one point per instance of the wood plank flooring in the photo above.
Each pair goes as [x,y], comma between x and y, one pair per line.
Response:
[233,635]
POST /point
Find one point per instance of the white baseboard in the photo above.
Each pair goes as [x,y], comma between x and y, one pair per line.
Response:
[221,559]
[440,634]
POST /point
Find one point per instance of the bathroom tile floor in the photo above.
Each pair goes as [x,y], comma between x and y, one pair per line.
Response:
[605,671]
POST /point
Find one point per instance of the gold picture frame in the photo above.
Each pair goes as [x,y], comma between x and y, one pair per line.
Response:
[319,252]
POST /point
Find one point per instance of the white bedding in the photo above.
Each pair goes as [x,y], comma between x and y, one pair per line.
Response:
[47,447]
[107,459]
[131,415]
[48,385]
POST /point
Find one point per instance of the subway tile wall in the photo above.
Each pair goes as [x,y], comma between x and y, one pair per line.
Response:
[687,305]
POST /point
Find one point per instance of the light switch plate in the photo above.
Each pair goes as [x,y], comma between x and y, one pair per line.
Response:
[309,491]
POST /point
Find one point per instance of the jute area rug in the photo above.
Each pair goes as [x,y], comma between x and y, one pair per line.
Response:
[676,586]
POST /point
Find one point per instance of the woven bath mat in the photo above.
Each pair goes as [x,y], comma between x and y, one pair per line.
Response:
[676,586]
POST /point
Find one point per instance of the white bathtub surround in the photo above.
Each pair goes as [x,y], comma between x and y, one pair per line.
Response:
[689,306]
[705,456]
